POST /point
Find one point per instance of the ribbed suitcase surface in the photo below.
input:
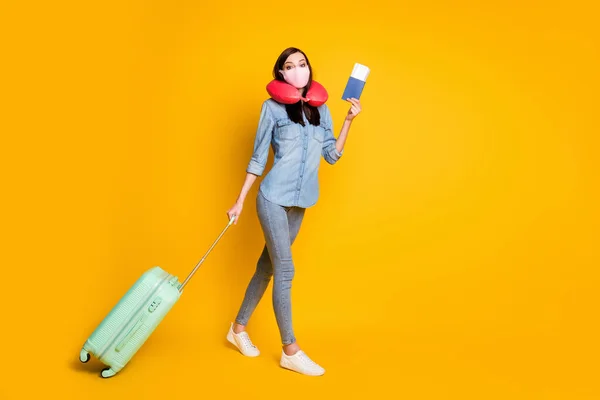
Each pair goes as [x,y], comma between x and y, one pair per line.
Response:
[132,320]
[136,315]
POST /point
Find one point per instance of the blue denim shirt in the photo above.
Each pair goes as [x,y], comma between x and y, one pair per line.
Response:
[293,178]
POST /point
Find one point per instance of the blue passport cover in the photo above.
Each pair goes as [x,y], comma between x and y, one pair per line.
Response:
[353,89]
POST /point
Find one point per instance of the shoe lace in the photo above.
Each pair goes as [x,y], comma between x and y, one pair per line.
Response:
[246,340]
[307,360]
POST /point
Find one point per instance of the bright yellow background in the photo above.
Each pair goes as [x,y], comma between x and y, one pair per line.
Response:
[453,253]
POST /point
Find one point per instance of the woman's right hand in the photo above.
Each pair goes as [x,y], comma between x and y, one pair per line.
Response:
[235,210]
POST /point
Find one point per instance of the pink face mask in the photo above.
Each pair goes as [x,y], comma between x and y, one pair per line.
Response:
[297,76]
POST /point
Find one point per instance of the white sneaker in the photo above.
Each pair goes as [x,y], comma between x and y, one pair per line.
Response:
[301,363]
[242,342]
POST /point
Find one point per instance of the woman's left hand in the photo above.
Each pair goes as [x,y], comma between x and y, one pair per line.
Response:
[354,109]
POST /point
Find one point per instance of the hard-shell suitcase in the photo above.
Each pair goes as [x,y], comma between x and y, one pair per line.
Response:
[137,314]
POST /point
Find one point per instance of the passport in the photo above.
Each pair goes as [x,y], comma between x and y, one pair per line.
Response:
[356,82]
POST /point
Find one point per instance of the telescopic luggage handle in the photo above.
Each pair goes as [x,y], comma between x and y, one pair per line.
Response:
[185,282]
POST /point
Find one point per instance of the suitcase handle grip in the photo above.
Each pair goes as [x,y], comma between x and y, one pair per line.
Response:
[132,332]
[191,274]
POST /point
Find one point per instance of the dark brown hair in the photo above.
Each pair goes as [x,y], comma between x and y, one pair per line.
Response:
[294,111]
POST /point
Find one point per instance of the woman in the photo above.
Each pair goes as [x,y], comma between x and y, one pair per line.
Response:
[300,135]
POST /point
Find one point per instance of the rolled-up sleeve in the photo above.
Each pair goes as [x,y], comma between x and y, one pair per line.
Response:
[330,152]
[262,142]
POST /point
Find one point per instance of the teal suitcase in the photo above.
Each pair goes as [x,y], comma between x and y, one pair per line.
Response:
[137,314]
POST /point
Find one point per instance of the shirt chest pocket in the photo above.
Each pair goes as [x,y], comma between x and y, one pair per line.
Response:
[319,132]
[286,129]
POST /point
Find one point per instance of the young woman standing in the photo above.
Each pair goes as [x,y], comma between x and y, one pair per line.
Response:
[300,134]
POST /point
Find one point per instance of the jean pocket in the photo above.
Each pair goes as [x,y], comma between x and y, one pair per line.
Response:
[286,129]
[319,134]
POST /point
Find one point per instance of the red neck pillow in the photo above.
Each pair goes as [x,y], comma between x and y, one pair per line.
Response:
[283,92]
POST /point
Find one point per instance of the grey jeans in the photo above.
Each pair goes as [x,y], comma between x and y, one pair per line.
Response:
[280,227]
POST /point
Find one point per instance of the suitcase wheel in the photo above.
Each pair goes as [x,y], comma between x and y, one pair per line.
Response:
[84,356]
[107,373]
